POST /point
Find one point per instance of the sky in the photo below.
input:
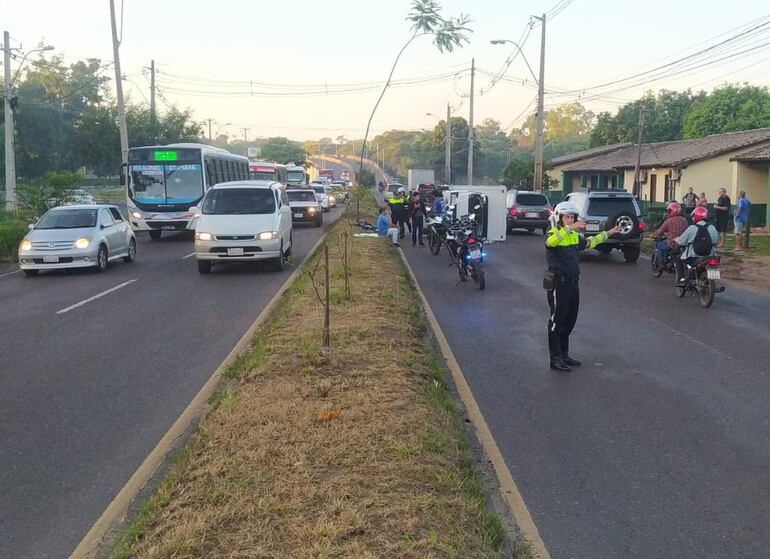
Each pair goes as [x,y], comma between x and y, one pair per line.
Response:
[322,62]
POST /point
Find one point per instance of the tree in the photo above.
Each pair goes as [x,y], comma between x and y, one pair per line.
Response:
[727,109]
[494,148]
[426,18]
[520,171]
[282,150]
[563,122]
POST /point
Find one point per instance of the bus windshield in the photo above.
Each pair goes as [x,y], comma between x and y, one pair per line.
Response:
[166,184]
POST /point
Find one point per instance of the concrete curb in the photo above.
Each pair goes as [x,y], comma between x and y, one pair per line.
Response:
[508,488]
[116,511]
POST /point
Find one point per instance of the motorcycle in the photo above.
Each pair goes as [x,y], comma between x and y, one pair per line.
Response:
[437,228]
[700,279]
[466,249]
[668,265]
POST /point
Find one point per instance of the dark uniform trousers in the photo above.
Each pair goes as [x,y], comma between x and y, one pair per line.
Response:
[564,300]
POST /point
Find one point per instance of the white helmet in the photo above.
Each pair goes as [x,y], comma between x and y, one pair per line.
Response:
[564,208]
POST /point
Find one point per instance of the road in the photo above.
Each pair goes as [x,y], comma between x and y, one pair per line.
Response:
[87,393]
[659,445]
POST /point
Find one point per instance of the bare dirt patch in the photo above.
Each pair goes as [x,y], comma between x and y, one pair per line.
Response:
[358,452]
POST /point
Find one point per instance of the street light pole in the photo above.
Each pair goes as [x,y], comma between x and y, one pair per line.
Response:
[470,126]
[119,88]
[10,163]
[540,112]
[448,148]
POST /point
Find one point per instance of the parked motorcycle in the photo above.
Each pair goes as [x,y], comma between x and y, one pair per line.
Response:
[437,228]
[700,280]
[466,249]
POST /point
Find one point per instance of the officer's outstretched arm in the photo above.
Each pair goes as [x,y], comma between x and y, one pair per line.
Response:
[596,240]
[553,237]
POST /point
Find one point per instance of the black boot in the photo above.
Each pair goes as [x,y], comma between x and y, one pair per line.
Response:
[557,364]
[570,362]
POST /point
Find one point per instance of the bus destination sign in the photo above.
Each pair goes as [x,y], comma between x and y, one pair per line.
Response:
[164,156]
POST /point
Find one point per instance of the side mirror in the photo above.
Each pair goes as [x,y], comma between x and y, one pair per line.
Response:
[31,226]
[195,211]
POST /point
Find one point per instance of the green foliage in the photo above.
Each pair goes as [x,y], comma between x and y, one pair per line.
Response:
[53,189]
[282,150]
[728,109]
[520,171]
[448,33]
[12,231]
[663,119]
[563,122]
[365,178]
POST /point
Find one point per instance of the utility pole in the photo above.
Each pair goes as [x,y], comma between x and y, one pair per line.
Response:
[153,118]
[470,126]
[245,131]
[637,185]
[10,162]
[540,112]
[209,120]
[119,86]
[448,154]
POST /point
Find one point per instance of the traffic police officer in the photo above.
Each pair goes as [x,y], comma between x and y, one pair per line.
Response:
[563,242]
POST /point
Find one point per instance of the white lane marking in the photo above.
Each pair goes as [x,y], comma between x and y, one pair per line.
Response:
[97,296]
[188,256]
[9,273]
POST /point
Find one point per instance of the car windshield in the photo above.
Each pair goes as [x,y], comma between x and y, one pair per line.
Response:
[531,200]
[235,201]
[301,196]
[68,219]
[604,207]
[295,177]
[320,189]
[166,184]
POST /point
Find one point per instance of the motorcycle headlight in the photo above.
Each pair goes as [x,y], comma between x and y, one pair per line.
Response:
[26,245]
[82,242]
[204,236]
[268,235]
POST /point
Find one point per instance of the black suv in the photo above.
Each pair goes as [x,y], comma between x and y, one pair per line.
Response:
[602,210]
[527,210]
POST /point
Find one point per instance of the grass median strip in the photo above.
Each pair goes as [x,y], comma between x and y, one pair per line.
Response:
[358,451]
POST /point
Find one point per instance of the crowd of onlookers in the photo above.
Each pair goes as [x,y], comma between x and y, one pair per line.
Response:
[404,212]
[722,207]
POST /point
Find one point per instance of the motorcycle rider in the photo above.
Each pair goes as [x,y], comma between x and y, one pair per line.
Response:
[697,240]
[563,242]
[673,226]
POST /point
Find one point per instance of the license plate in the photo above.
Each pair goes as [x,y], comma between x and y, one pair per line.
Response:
[475,254]
[531,214]
[713,274]
[168,227]
[51,259]
[298,215]
[592,226]
[234,252]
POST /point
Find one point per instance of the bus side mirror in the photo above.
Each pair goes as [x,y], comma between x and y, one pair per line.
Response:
[123,168]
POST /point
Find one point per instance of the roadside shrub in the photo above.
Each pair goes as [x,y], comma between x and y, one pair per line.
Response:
[53,189]
[12,231]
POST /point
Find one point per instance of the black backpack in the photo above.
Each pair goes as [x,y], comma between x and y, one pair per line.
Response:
[702,244]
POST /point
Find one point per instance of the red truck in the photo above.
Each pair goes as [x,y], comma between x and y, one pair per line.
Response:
[327,173]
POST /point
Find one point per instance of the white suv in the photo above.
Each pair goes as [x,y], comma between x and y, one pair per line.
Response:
[243,221]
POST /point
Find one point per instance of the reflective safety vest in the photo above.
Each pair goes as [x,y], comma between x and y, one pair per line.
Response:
[562,248]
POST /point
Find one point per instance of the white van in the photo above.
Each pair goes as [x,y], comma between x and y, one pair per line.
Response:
[243,221]
[323,195]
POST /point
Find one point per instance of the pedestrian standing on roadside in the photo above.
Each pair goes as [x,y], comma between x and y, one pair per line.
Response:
[690,200]
[418,214]
[398,211]
[563,242]
[741,220]
[385,228]
[439,206]
[721,214]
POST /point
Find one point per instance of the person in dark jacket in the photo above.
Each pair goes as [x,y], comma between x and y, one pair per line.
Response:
[398,209]
[563,243]
[417,213]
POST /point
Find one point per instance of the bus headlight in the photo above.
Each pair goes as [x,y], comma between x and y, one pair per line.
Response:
[204,236]
[268,235]
[26,245]
[137,215]
[82,242]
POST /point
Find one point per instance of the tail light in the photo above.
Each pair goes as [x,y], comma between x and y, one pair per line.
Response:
[471,240]
[512,211]
[641,225]
[550,212]
[712,262]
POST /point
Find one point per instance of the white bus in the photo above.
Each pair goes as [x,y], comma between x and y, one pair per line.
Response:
[267,171]
[163,182]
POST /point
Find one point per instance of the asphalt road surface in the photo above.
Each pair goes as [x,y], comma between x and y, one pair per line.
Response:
[86,393]
[659,445]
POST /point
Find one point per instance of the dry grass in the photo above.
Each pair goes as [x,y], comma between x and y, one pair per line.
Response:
[356,453]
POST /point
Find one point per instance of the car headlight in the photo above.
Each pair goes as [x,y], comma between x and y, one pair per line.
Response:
[267,235]
[82,242]
[311,209]
[26,245]
[332,199]
[137,215]
[204,236]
